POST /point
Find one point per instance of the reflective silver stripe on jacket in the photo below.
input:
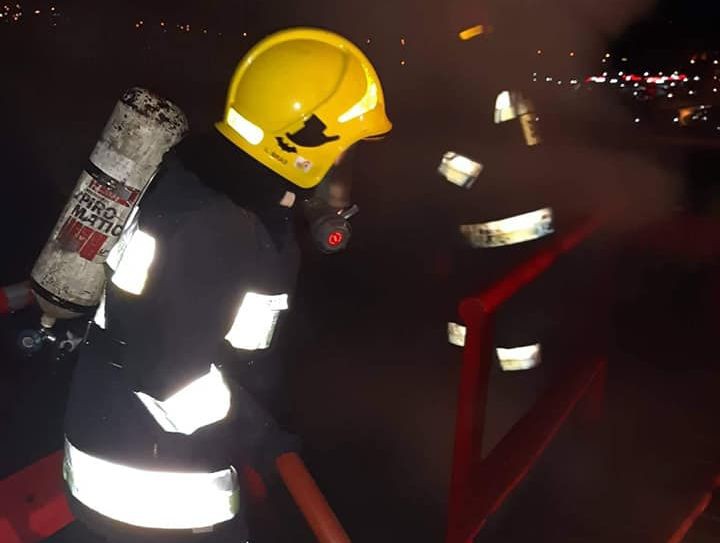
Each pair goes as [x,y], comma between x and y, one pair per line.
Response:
[255,321]
[201,402]
[151,499]
[517,229]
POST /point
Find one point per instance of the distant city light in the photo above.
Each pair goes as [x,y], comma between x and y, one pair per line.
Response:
[539,51]
[402,41]
[675,120]
[637,119]
[572,53]
[471,32]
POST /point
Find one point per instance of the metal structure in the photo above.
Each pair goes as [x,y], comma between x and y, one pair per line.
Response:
[15,297]
[479,486]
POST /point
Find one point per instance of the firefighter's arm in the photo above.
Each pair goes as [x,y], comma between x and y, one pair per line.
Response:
[189,302]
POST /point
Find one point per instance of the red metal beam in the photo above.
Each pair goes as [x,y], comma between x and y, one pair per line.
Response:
[32,502]
[528,271]
[511,460]
[679,534]
[477,313]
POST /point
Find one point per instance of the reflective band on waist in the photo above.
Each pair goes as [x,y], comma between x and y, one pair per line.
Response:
[517,229]
[151,499]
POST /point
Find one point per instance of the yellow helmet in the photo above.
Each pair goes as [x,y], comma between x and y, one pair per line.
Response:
[299,99]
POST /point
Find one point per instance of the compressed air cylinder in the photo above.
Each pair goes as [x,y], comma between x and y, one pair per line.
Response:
[68,276]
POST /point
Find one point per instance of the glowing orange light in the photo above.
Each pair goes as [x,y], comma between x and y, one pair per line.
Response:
[471,32]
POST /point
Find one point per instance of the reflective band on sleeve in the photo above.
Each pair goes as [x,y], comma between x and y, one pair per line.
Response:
[510,105]
[255,321]
[132,270]
[519,358]
[151,499]
[459,170]
[204,401]
[517,229]
[456,334]
[99,318]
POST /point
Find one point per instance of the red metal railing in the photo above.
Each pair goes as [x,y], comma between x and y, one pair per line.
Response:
[15,297]
[478,487]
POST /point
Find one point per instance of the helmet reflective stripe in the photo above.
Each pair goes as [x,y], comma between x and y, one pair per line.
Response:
[151,499]
[251,132]
[367,103]
[255,321]
[204,401]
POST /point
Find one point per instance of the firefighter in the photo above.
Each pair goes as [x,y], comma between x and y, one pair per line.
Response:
[170,399]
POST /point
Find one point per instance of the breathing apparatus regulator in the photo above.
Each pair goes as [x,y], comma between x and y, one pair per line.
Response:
[328,211]
[329,227]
